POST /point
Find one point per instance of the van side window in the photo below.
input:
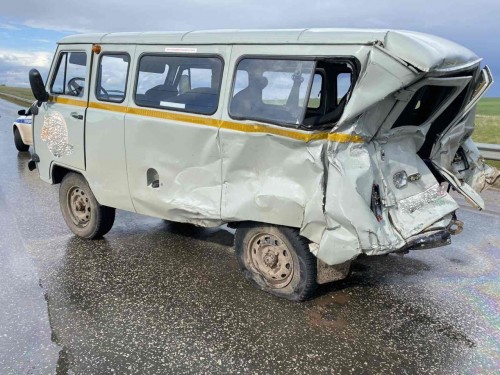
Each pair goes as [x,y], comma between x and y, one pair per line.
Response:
[190,84]
[337,82]
[112,77]
[71,71]
[271,90]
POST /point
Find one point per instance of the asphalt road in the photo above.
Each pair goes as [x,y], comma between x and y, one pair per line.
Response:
[151,298]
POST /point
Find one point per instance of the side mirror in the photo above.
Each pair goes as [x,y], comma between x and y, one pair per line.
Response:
[38,87]
[22,112]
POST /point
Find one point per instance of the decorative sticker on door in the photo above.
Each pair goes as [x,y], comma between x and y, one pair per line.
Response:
[55,133]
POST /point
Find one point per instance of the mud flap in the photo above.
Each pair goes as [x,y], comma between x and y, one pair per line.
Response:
[473,198]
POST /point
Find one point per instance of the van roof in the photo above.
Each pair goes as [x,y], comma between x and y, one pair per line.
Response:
[425,52]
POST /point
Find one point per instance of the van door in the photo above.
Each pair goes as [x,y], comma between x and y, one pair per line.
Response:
[449,140]
[171,133]
[410,188]
[110,93]
[59,127]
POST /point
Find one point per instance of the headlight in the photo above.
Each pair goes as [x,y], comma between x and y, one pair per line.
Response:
[400,179]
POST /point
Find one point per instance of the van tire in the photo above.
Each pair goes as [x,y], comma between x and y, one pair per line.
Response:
[82,213]
[277,260]
[18,141]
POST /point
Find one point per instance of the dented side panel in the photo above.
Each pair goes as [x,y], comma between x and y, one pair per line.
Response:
[352,228]
[270,178]
[472,169]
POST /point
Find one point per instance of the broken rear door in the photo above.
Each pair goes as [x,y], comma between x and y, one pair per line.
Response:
[458,126]
[414,197]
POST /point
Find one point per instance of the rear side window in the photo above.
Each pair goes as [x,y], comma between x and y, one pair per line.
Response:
[112,77]
[190,84]
[424,103]
[70,74]
[271,90]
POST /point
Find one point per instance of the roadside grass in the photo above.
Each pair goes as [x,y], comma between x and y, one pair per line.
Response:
[488,124]
[20,103]
[489,107]
[21,92]
[487,130]
[493,163]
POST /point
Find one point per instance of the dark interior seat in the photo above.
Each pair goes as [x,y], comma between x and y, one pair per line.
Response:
[201,100]
[157,94]
[249,100]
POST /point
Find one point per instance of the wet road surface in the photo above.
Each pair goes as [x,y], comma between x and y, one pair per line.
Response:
[156,298]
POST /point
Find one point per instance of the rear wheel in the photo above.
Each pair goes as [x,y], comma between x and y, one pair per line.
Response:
[18,141]
[277,259]
[83,214]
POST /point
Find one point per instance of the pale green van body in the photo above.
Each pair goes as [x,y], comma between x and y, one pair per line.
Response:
[337,184]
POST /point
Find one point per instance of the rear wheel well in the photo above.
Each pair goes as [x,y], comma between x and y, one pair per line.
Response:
[58,173]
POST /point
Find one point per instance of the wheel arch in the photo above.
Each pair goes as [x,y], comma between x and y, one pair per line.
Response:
[57,172]
[246,223]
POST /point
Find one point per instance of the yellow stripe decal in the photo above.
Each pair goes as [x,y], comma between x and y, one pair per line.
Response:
[207,121]
[174,116]
[345,138]
[108,107]
[79,103]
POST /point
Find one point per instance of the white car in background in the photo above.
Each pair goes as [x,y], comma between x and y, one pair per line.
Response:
[21,128]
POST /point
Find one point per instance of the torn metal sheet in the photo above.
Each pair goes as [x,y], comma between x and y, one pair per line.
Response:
[369,90]
[353,227]
[428,52]
[418,201]
[471,196]
[473,170]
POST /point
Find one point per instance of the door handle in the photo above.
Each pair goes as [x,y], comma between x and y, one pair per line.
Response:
[77,116]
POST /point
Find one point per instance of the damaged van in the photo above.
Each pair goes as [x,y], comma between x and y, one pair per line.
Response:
[316,145]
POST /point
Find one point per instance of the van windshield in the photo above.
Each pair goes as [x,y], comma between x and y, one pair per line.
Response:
[271,90]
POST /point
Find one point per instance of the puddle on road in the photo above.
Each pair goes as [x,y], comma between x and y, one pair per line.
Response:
[329,311]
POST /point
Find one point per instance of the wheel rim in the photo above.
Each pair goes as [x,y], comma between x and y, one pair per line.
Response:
[79,206]
[271,258]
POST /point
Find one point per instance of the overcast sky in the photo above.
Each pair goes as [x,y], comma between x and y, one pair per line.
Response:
[29,29]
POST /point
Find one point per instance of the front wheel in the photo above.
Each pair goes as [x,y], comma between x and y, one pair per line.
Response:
[18,141]
[83,214]
[277,260]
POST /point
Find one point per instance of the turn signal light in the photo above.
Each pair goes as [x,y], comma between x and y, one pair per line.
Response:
[96,48]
